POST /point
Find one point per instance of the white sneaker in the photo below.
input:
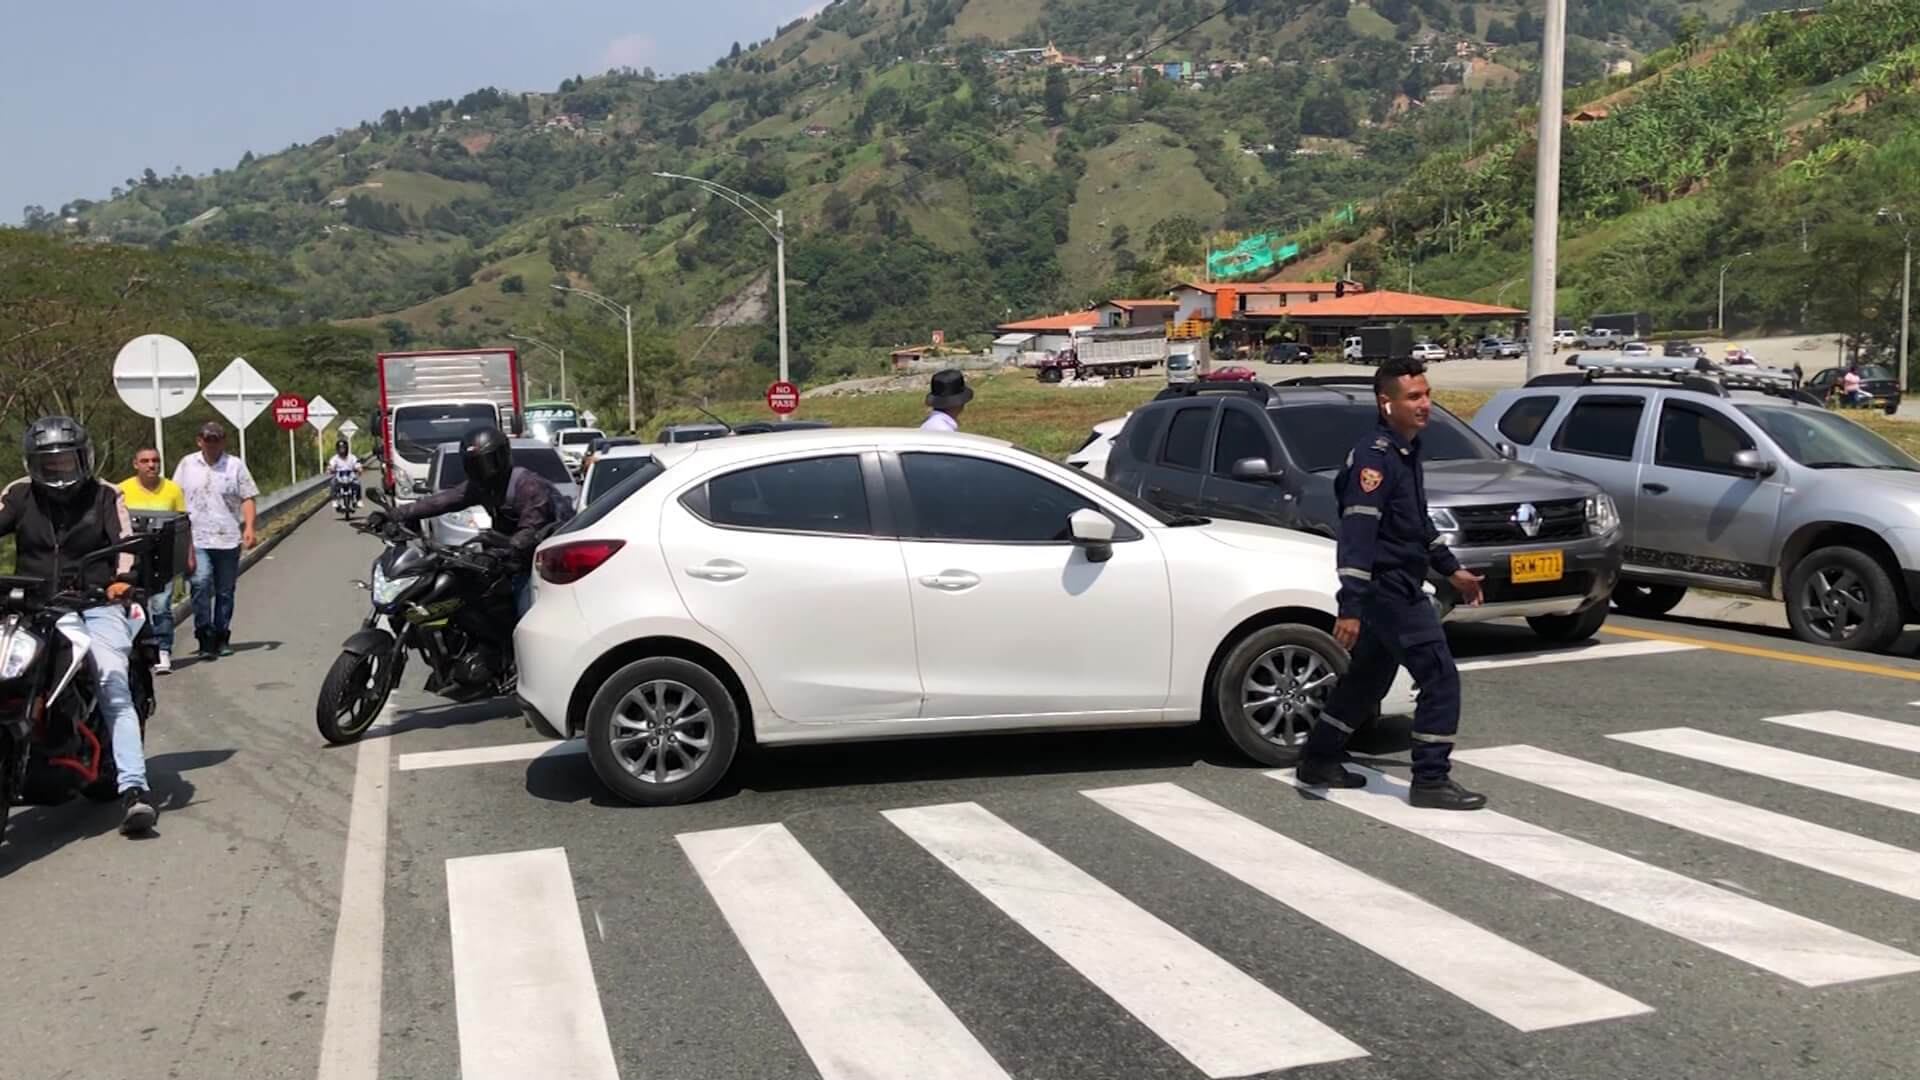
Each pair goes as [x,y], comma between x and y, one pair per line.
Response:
[164,666]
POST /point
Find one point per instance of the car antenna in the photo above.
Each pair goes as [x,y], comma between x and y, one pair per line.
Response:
[715,419]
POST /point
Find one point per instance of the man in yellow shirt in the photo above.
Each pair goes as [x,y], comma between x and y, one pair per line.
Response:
[147,489]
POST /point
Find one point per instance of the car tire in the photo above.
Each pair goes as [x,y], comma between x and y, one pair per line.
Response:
[1569,629]
[1647,600]
[1269,656]
[1831,585]
[656,690]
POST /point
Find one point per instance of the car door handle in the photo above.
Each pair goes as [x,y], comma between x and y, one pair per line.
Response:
[718,570]
[1654,489]
[951,580]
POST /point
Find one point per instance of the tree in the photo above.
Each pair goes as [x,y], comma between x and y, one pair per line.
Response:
[399,334]
[443,318]
[838,210]
[1156,92]
[1687,32]
[735,54]
[513,283]
[1056,96]
[1327,112]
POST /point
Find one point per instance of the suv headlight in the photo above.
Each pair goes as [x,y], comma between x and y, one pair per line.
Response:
[1602,516]
[1447,524]
[385,589]
[18,647]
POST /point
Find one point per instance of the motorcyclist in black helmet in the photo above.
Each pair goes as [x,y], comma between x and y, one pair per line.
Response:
[57,514]
[519,502]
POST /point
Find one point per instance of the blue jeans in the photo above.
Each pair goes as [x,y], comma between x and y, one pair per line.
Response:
[215,570]
[112,638]
[160,618]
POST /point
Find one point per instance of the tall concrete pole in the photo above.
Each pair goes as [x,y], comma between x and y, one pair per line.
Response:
[1546,189]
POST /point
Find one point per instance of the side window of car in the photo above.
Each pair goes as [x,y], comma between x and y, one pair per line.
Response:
[1691,437]
[1240,438]
[1523,418]
[1146,426]
[1602,427]
[1187,438]
[962,498]
[812,495]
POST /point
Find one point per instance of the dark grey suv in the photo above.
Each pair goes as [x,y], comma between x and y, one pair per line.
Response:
[1548,543]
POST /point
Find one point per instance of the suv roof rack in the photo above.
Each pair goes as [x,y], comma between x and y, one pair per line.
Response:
[1252,388]
[1327,380]
[1710,379]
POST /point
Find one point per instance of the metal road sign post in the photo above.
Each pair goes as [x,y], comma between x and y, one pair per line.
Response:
[240,394]
[156,376]
[320,413]
[347,430]
[289,412]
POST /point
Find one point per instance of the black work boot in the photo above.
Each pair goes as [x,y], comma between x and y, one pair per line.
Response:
[1315,772]
[140,814]
[1444,795]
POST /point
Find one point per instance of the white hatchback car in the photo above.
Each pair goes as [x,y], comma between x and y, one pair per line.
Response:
[844,585]
[1091,457]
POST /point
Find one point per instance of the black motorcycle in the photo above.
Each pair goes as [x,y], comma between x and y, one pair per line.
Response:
[55,743]
[452,605]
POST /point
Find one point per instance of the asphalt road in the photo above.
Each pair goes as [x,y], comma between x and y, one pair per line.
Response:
[1205,919]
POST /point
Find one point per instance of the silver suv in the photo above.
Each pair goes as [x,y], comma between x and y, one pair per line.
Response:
[1730,483]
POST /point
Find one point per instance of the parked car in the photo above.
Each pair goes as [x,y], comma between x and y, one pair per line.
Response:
[1686,350]
[1600,339]
[1091,456]
[448,470]
[612,466]
[1565,339]
[1230,373]
[1181,367]
[1633,350]
[1759,492]
[1546,542]
[1427,352]
[845,585]
[694,432]
[573,443]
[1876,379]
[1499,348]
[1288,352]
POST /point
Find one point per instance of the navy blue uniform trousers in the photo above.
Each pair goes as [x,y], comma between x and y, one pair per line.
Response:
[1395,632]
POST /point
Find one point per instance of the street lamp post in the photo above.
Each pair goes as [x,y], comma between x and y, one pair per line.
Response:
[771,222]
[1906,289]
[1721,325]
[1546,189]
[626,317]
[561,353]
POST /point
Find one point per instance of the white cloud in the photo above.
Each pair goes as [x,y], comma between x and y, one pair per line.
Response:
[629,50]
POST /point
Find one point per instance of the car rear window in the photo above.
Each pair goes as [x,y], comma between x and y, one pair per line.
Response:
[1319,435]
[602,505]
[542,461]
[607,472]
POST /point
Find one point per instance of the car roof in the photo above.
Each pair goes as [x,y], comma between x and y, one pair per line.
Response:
[516,443]
[626,450]
[721,451]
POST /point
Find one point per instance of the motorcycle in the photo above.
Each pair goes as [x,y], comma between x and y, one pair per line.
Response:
[452,605]
[55,743]
[346,496]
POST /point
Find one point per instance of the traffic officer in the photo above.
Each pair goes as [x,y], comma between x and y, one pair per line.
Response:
[1387,544]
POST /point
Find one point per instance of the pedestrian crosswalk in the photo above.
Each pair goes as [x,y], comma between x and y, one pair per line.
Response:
[859,1003]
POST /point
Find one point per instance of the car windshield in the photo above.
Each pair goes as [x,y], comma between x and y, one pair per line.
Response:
[418,429]
[1822,440]
[607,472]
[1319,435]
[542,461]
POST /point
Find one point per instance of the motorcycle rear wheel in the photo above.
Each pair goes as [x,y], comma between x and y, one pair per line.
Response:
[351,697]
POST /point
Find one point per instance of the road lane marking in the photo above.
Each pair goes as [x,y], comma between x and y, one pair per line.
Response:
[523,989]
[1848,725]
[1842,854]
[857,1006]
[1787,766]
[1788,945]
[350,1031]
[1520,987]
[1588,652]
[488,755]
[1767,654]
[1215,1015]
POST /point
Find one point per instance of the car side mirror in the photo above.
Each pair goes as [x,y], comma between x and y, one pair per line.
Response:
[1751,463]
[1506,450]
[1093,532]
[1255,470]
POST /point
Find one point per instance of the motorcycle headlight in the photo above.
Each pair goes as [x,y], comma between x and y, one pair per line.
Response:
[1602,516]
[18,647]
[386,589]
[1448,525]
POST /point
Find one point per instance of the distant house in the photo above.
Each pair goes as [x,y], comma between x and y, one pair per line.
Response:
[1138,313]
[1588,115]
[1051,333]
[1620,67]
[818,131]
[337,204]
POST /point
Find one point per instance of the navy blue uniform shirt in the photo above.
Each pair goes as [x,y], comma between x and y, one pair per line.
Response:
[1387,542]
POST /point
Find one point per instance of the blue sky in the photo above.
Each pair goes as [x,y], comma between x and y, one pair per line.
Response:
[92,93]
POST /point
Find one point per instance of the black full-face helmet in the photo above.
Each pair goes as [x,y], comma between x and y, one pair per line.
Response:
[59,455]
[487,454]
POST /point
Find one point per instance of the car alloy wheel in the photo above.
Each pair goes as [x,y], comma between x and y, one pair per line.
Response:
[662,731]
[1844,597]
[1284,693]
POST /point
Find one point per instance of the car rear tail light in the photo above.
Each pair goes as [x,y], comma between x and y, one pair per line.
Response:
[564,564]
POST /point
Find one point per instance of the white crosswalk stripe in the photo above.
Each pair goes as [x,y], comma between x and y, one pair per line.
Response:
[1520,987]
[857,1006]
[1786,766]
[1848,725]
[1212,1013]
[1789,945]
[1842,854]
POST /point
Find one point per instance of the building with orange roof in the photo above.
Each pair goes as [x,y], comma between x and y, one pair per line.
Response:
[1136,313]
[1049,333]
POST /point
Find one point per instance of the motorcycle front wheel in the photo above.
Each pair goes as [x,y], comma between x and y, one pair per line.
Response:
[351,696]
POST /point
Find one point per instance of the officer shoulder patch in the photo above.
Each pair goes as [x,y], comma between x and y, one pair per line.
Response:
[1370,480]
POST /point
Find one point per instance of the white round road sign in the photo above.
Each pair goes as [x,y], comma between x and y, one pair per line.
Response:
[156,375]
